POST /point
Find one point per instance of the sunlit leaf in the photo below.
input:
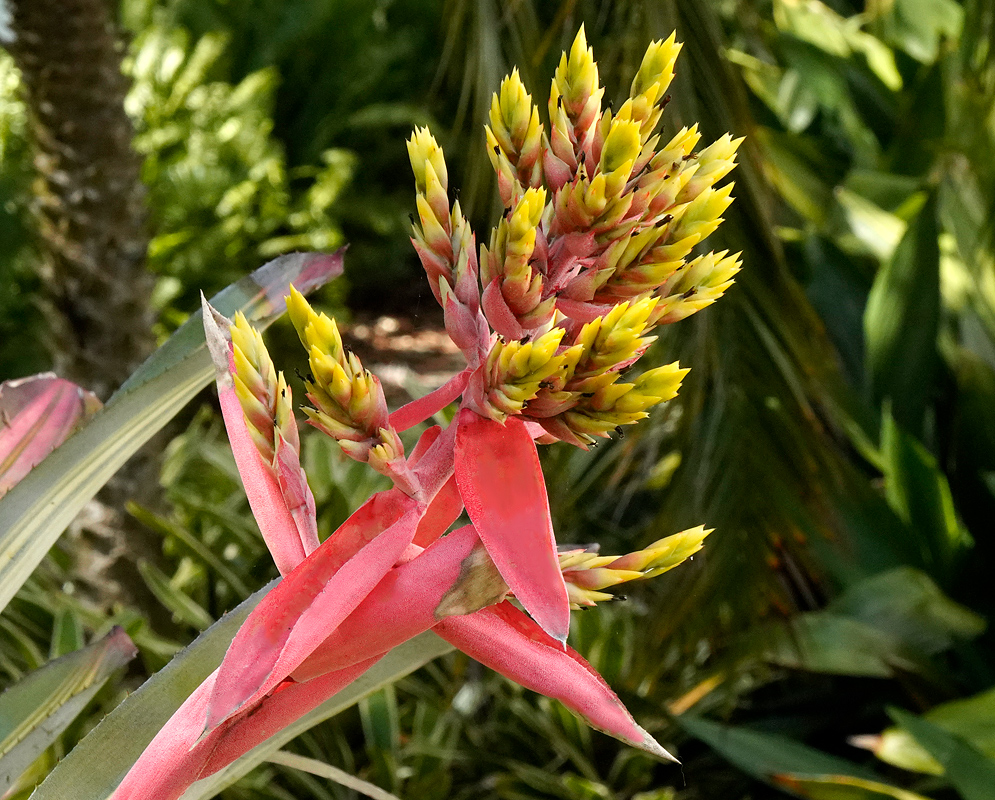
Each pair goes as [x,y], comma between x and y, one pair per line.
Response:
[971,772]
[902,319]
[842,787]
[37,709]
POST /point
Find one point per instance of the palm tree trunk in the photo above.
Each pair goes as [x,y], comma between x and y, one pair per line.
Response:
[88,202]
[88,195]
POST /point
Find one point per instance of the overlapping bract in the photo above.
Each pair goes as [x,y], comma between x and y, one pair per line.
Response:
[593,252]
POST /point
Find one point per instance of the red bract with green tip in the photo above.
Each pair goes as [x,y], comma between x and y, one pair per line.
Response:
[590,256]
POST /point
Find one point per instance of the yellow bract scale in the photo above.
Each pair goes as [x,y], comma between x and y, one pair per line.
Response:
[681,145]
[657,68]
[662,382]
[577,74]
[249,376]
[330,375]
[622,146]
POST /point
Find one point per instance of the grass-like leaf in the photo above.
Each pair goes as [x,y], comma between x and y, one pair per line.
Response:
[35,711]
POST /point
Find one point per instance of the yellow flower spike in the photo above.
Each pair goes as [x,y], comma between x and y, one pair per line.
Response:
[704,213]
[656,70]
[661,383]
[442,236]
[714,163]
[508,259]
[664,554]
[575,102]
[585,577]
[347,399]
[516,369]
[698,285]
[514,139]
[423,151]
[650,85]
[262,392]
[577,74]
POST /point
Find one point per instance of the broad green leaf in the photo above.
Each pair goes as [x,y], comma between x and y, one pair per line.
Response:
[36,511]
[821,641]
[793,169]
[971,772]
[823,28]
[971,719]
[907,605]
[98,763]
[918,26]
[901,322]
[919,493]
[875,231]
[37,709]
[841,787]
[764,755]
[887,191]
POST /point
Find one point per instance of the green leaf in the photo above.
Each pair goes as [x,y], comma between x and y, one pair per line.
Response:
[36,511]
[901,322]
[183,607]
[971,719]
[919,493]
[820,641]
[38,708]
[764,755]
[842,787]
[322,770]
[970,771]
[917,26]
[909,606]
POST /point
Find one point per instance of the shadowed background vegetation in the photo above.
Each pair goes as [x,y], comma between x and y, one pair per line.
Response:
[837,428]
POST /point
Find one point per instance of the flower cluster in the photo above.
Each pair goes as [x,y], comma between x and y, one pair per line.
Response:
[592,253]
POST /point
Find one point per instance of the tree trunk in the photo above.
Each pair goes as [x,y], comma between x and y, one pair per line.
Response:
[88,197]
[88,202]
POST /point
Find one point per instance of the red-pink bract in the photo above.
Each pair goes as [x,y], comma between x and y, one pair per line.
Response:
[501,482]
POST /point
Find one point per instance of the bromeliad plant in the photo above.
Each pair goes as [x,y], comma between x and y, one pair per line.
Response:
[591,254]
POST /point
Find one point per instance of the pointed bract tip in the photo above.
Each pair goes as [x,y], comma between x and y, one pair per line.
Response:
[652,746]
